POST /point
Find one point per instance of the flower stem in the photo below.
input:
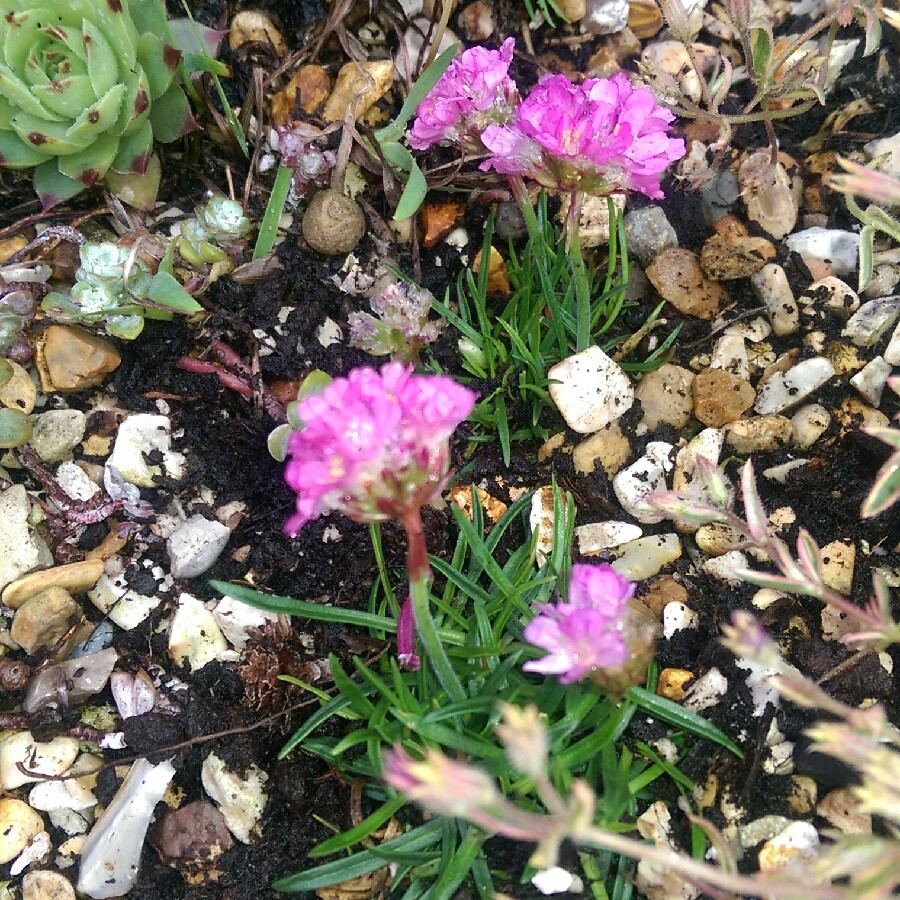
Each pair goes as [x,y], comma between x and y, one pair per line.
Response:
[419,579]
[579,272]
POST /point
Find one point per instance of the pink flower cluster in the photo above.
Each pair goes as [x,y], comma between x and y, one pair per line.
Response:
[586,633]
[473,92]
[600,136]
[374,445]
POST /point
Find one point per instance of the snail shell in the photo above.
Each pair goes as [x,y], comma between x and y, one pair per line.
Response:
[333,223]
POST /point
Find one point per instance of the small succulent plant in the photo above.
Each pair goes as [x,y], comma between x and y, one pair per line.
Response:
[114,287]
[400,326]
[108,279]
[85,88]
[215,227]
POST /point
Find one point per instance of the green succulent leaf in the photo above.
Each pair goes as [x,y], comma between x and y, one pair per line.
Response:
[87,86]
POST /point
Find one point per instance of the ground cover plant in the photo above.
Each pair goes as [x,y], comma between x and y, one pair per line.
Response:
[449,452]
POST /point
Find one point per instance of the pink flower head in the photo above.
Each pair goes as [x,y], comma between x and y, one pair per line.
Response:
[374,445]
[600,136]
[473,92]
[587,632]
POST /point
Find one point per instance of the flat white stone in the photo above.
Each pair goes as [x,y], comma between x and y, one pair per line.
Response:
[832,294]
[241,800]
[597,536]
[21,550]
[43,759]
[556,880]
[786,389]
[808,424]
[75,482]
[605,16]
[56,433]
[678,617]
[140,434]
[841,807]
[236,619]
[706,691]
[872,320]
[642,477]
[794,848]
[195,546]
[770,284]
[730,354]
[111,855]
[73,793]
[892,351]
[838,248]
[642,558]
[871,379]
[726,566]
[753,330]
[124,607]
[780,473]
[592,390]
[194,635]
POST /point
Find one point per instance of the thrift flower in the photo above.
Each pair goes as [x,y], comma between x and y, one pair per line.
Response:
[374,445]
[596,633]
[601,136]
[473,92]
[400,326]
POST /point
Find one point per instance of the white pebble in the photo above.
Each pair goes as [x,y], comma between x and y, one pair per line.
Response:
[592,390]
[140,434]
[195,546]
[644,476]
[838,248]
[706,691]
[808,424]
[46,759]
[597,536]
[872,320]
[111,855]
[241,800]
[643,558]
[678,617]
[770,284]
[194,635]
[786,389]
[726,566]
[237,619]
[870,381]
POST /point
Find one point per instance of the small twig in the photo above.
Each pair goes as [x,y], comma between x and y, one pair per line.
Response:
[844,666]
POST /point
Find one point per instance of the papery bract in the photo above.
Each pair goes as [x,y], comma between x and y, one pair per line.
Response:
[475,91]
[601,136]
[374,445]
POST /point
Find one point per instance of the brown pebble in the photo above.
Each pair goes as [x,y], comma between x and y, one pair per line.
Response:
[677,275]
[671,683]
[726,258]
[69,359]
[664,590]
[721,397]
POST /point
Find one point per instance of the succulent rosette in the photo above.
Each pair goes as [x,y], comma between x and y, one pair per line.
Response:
[86,86]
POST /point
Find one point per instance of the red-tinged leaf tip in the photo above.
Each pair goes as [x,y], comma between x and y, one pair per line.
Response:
[114,5]
[190,124]
[141,102]
[171,57]
[88,177]
[139,163]
[48,201]
[93,117]
[37,138]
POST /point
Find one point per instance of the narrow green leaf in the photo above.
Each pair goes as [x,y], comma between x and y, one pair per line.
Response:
[166,291]
[673,714]
[413,194]
[359,832]
[268,229]
[360,863]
